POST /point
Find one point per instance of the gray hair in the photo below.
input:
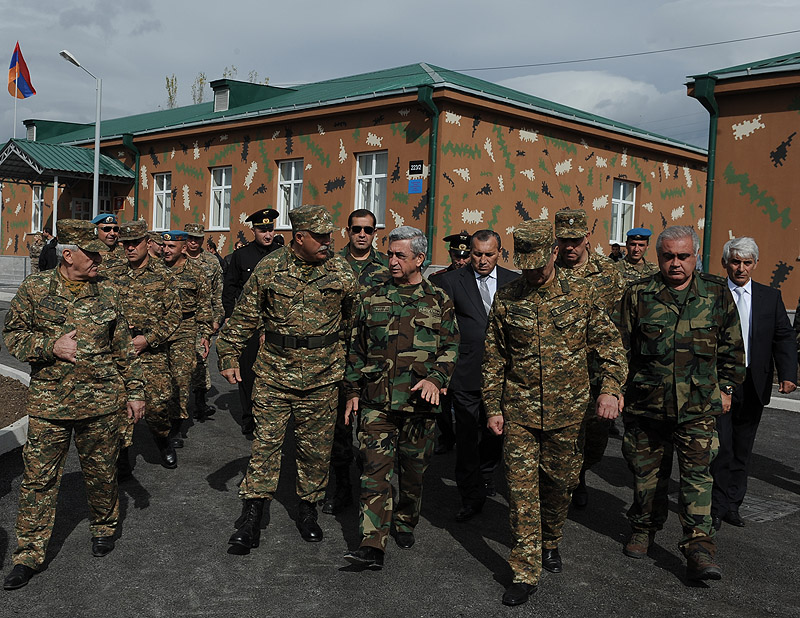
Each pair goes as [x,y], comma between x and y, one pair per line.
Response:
[676,232]
[419,242]
[743,248]
[61,248]
[484,235]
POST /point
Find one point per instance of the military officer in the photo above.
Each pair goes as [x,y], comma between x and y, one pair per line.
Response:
[68,324]
[152,309]
[536,367]
[155,245]
[303,297]
[681,329]
[634,266]
[458,248]
[402,354]
[241,266]
[108,232]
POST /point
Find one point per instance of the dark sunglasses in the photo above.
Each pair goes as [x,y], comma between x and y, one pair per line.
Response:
[109,228]
[368,229]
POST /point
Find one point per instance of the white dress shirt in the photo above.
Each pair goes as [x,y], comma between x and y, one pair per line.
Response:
[745,307]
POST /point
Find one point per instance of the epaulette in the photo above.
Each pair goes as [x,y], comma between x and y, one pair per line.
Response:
[712,278]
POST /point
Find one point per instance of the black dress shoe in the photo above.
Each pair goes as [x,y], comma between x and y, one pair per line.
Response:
[467,512]
[169,458]
[366,557]
[404,540]
[102,546]
[518,593]
[716,521]
[307,522]
[734,519]
[551,560]
[19,576]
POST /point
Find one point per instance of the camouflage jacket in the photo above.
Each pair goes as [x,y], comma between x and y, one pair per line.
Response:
[603,274]
[680,356]
[398,340]
[631,273]
[535,365]
[213,270]
[195,297]
[375,269]
[114,262]
[106,371]
[287,296]
[150,303]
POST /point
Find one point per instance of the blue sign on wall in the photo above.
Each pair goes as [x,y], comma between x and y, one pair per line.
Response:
[415,186]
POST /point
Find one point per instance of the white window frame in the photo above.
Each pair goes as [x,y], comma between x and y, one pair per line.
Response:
[620,223]
[82,208]
[290,190]
[219,208]
[367,183]
[162,201]
[104,196]
[37,212]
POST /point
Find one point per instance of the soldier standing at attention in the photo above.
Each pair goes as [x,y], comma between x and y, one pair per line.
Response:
[372,268]
[155,245]
[242,263]
[68,324]
[152,309]
[303,297]
[108,232]
[196,325]
[542,329]
[634,266]
[201,379]
[403,351]
[682,331]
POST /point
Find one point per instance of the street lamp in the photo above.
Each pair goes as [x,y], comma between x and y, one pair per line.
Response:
[96,187]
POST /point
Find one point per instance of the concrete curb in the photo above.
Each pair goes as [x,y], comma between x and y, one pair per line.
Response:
[16,433]
[784,403]
[7,296]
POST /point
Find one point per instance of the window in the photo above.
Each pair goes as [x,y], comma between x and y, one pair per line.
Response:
[371,193]
[82,209]
[290,189]
[162,201]
[104,196]
[622,203]
[38,207]
[220,198]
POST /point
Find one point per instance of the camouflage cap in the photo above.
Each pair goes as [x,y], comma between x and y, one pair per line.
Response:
[312,218]
[156,237]
[133,230]
[571,223]
[533,244]
[195,229]
[80,233]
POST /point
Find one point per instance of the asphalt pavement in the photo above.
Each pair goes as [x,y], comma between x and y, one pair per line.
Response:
[171,558]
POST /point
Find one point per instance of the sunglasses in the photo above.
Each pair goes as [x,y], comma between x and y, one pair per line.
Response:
[368,229]
[110,228]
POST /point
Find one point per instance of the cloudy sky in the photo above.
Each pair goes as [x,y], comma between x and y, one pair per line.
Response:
[134,45]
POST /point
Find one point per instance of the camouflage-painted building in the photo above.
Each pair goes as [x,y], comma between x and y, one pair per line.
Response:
[754,162]
[418,145]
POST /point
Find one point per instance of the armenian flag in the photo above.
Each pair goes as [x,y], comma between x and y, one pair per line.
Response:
[19,80]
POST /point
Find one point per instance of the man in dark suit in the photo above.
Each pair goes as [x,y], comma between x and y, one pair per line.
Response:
[769,343]
[472,290]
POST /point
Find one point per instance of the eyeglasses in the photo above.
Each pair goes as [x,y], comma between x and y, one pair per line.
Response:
[368,229]
[110,228]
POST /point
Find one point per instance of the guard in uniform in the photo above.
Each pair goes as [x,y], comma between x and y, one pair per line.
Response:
[155,245]
[108,232]
[634,266]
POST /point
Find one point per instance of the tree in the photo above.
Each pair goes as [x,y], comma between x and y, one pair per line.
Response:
[198,88]
[172,91]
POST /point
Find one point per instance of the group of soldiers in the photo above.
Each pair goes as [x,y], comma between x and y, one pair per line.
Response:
[361,338]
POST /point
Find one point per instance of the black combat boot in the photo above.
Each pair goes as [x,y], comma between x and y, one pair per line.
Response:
[201,408]
[124,469]
[175,439]
[343,496]
[169,458]
[307,522]
[248,534]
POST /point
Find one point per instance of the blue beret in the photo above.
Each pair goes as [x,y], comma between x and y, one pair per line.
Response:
[639,233]
[104,217]
[174,235]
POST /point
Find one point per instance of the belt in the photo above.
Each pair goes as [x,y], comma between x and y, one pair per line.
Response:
[188,314]
[291,342]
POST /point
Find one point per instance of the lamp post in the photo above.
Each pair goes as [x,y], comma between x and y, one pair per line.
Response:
[96,186]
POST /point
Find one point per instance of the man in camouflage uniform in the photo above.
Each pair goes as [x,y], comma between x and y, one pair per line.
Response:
[196,326]
[372,268]
[68,324]
[633,266]
[108,232]
[682,331]
[303,297]
[152,309]
[577,261]
[155,245]
[403,351]
[201,379]
[542,329]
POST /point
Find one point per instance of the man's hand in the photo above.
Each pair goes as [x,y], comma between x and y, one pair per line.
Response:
[66,346]
[726,403]
[135,410]
[215,326]
[232,375]
[787,387]
[495,424]
[607,406]
[351,408]
[429,392]
[206,348]
[139,344]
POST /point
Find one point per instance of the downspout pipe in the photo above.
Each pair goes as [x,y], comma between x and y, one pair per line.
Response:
[127,141]
[425,97]
[704,92]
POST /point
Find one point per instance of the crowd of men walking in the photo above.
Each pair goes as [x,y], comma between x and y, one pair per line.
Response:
[534,368]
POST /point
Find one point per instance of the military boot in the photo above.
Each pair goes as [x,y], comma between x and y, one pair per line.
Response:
[169,458]
[124,469]
[307,522]
[175,438]
[248,534]
[343,496]
[201,408]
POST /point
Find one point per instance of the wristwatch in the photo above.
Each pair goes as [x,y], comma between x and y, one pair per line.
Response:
[728,390]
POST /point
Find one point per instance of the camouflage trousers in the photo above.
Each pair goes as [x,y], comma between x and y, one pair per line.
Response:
[201,377]
[542,469]
[157,393]
[97,442]
[182,361]
[382,436]
[314,413]
[648,446]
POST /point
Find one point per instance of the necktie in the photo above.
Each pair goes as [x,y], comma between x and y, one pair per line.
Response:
[744,319]
[486,295]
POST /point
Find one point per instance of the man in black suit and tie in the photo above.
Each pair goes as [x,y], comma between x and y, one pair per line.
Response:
[769,342]
[472,289]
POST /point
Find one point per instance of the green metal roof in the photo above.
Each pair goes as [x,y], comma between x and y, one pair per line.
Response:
[245,102]
[21,159]
[789,62]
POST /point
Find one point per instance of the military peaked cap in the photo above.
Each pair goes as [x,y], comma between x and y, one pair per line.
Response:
[263,218]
